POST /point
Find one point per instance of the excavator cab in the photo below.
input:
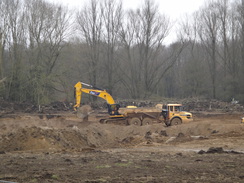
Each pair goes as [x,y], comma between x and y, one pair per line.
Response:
[113,109]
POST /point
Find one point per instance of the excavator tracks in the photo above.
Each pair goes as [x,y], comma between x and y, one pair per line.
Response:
[116,121]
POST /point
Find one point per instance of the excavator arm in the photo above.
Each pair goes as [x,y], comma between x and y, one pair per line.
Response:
[112,106]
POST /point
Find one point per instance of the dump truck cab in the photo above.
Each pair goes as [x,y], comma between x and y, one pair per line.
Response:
[174,115]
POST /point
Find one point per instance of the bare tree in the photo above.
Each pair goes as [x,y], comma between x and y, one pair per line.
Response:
[192,79]
[242,28]
[3,35]
[130,64]
[112,18]
[47,26]
[89,21]
[223,16]
[143,35]
[240,42]
[217,27]
[208,33]
[13,41]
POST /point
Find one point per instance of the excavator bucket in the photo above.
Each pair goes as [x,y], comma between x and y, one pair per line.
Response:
[83,112]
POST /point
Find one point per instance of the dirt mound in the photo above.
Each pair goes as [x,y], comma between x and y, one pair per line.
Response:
[35,138]
[218,150]
[59,148]
[76,138]
[62,134]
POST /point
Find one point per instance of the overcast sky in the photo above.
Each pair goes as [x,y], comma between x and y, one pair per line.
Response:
[174,9]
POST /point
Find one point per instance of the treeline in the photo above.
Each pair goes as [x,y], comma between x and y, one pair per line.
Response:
[46,48]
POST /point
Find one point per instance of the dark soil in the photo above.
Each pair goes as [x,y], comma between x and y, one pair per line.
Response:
[122,165]
[40,147]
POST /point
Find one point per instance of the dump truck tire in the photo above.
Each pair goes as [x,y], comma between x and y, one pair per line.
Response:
[175,121]
[147,121]
[134,121]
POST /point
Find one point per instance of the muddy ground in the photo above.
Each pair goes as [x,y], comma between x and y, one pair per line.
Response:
[61,148]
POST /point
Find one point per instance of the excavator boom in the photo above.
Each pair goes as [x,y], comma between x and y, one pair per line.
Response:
[95,92]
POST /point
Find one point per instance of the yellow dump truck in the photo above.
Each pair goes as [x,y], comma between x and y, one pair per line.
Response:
[170,114]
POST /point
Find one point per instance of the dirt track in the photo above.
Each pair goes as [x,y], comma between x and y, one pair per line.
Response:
[63,149]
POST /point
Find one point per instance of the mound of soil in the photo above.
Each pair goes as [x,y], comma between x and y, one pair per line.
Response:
[66,134]
[76,138]
[61,148]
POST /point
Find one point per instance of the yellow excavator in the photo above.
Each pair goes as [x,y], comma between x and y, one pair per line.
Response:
[113,108]
[170,114]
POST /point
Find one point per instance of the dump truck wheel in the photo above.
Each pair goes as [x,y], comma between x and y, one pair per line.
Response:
[135,121]
[175,121]
[147,121]
[103,121]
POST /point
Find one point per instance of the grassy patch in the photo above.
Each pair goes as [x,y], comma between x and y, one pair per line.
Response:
[103,166]
[123,164]
[55,177]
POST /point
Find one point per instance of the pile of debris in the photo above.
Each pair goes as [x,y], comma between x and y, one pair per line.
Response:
[218,150]
[7,107]
[212,105]
[190,104]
